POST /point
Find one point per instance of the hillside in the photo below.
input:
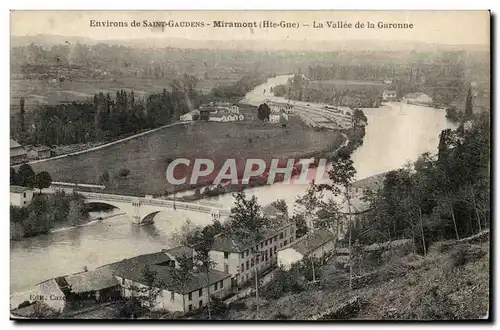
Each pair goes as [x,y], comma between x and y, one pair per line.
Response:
[450,282]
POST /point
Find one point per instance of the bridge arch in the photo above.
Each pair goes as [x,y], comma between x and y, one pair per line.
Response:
[149,218]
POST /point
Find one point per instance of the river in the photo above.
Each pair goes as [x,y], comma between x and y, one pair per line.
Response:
[396,133]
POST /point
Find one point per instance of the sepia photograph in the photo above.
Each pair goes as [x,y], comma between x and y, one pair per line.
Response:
[250,165]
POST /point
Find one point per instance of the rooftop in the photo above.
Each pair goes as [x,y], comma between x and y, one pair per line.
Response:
[133,269]
[180,252]
[371,182]
[310,242]
[18,189]
[101,278]
[232,243]
[14,144]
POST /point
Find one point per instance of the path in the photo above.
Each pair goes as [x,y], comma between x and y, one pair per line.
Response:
[107,144]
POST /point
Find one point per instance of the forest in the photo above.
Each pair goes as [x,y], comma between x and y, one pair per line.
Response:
[108,117]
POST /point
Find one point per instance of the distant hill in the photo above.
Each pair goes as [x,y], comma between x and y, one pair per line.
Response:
[271,45]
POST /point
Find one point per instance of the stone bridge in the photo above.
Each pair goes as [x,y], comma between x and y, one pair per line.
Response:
[144,209]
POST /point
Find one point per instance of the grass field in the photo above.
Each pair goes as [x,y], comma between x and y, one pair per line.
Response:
[146,157]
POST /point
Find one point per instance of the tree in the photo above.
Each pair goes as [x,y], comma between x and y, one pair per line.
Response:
[22,124]
[205,240]
[281,206]
[42,180]
[263,112]
[468,104]
[341,174]
[246,222]
[148,292]
[13,176]
[76,214]
[181,274]
[104,178]
[26,176]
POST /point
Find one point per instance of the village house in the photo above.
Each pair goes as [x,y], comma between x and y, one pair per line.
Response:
[17,153]
[39,152]
[418,98]
[225,116]
[239,257]
[317,244]
[190,116]
[73,292]
[389,95]
[190,294]
[20,196]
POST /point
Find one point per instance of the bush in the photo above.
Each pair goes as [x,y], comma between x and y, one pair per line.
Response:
[124,172]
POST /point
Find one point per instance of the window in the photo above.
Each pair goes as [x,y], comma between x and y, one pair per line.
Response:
[271,252]
[123,281]
[200,304]
[200,292]
[226,268]
[286,242]
[226,255]
[172,296]
[242,254]
[248,264]
[190,307]
[252,262]
[275,238]
[215,286]
[24,195]
[266,242]
[221,284]
[274,249]
[281,235]
[190,296]
[242,267]
[266,255]
[257,259]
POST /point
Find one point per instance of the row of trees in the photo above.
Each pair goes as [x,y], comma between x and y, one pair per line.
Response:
[301,89]
[46,212]
[26,177]
[102,118]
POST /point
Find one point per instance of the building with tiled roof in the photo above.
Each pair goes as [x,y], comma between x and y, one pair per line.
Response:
[314,244]
[174,295]
[240,257]
[17,153]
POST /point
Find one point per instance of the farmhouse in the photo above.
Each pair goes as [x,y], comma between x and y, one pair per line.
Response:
[75,291]
[17,153]
[240,258]
[389,95]
[190,294]
[20,196]
[39,152]
[315,244]
[418,98]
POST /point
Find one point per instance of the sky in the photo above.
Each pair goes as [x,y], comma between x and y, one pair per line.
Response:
[436,27]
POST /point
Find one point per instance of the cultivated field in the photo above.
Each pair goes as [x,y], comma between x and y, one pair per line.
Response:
[147,157]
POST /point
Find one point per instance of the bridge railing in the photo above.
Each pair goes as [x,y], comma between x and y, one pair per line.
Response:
[153,202]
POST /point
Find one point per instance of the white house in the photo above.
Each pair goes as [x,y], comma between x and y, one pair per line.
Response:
[241,258]
[316,244]
[418,98]
[274,118]
[20,196]
[389,95]
[190,294]
[186,117]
